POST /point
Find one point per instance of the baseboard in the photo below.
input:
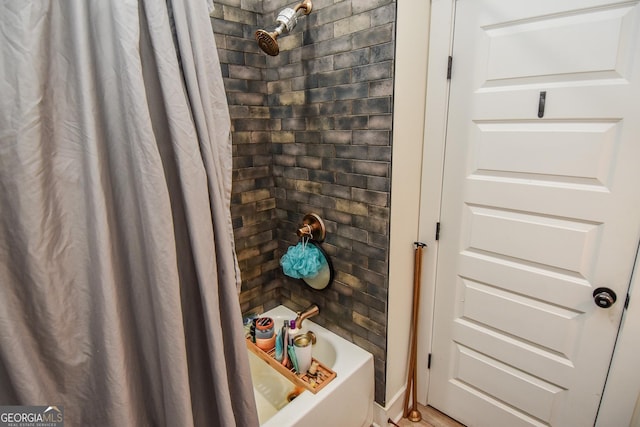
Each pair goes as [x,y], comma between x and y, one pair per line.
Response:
[393,410]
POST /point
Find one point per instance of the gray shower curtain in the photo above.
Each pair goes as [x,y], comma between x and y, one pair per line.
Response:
[118,278]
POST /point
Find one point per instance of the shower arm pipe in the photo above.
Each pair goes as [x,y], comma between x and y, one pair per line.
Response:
[304,4]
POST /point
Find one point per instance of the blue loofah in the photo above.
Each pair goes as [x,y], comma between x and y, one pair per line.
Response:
[302,260]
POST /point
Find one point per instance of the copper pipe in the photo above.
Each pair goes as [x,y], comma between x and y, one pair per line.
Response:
[306,5]
[312,310]
[414,414]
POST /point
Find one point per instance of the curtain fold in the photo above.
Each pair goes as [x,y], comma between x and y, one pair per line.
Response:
[118,277]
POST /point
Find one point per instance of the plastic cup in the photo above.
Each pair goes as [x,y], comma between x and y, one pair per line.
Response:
[302,348]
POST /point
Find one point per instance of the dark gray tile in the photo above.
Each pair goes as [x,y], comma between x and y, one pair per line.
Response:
[330,14]
[360,6]
[383,15]
[382,52]
[371,168]
[372,105]
[334,78]
[351,180]
[371,137]
[352,122]
[337,137]
[377,71]
[381,122]
[377,198]
[373,36]
[352,91]
[336,107]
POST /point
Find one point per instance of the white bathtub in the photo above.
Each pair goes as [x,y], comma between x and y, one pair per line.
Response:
[347,401]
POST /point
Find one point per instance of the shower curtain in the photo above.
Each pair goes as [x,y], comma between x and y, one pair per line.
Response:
[118,278]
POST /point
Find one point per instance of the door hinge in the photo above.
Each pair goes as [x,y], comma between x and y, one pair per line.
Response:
[449,66]
[437,231]
[626,302]
[429,361]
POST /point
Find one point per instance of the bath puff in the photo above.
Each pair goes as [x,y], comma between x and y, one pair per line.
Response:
[302,260]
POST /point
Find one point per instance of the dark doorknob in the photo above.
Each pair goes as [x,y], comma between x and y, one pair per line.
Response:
[604,297]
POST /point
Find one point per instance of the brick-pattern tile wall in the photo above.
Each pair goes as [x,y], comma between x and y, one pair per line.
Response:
[312,133]
[253,195]
[330,95]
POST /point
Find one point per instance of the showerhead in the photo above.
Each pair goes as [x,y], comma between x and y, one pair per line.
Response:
[267,42]
[287,20]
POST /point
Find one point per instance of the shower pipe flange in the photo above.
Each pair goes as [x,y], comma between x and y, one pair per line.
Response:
[313,224]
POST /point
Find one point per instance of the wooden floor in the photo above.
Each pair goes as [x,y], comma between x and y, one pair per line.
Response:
[430,418]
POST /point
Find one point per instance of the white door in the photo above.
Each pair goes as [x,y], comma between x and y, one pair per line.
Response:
[537,212]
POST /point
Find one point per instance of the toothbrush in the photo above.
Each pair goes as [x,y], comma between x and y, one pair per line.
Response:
[285,357]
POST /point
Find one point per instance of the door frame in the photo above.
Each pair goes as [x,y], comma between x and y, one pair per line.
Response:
[621,398]
[622,388]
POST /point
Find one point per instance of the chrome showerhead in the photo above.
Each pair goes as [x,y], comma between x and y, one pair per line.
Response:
[287,20]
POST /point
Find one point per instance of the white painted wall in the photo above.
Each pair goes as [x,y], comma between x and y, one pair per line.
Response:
[412,29]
